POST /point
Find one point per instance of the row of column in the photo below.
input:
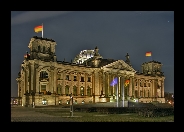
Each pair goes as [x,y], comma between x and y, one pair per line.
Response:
[107,78]
[78,83]
[153,89]
[32,75]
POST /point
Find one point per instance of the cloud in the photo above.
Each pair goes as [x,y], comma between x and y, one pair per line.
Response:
[34,15]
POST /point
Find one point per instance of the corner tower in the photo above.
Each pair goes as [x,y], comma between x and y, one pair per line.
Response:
[42,49]
[152,68]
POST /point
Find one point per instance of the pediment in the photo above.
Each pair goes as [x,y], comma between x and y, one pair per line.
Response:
[119,65]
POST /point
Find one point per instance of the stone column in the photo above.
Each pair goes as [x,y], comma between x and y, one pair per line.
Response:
[113,89]
[130,87]
[100,81]
[52,81]
[93,87]
[153,88]
[78,79]
[85,85]
[138,86]
[20,87]
[156,87]
[119,86]
[122,88]
[133,84]
[55,79]
[162,86]
[143,90]
[63,84]
[96,83]
[34,80]
[37,81]
[31,76]
[18,83]
[26,80]
[106,85]
[92,79]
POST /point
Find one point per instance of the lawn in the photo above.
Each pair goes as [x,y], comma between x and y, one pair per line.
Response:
[98,117]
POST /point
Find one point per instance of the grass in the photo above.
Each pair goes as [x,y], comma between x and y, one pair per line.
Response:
[98,117]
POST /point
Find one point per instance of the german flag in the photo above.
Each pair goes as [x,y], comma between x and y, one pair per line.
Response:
[127,82]
[38,29]
[148,53]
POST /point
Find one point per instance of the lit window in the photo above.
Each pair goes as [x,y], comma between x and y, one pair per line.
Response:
[82,91]
[44,102]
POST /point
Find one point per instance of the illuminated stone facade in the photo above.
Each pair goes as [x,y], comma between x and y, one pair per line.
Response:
[46,81]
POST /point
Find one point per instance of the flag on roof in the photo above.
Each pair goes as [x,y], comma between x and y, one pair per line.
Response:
[148,53]
[38,28]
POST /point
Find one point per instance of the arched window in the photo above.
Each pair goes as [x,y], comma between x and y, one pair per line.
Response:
[82,91]
[59,89]
[148,93]
[74,90]
[88,91]
[38,48]
[67,90]
[43,49]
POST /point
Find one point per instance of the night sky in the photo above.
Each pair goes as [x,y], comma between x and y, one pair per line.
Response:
[115,33]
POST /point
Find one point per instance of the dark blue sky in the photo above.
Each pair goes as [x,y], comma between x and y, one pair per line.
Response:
[115,33]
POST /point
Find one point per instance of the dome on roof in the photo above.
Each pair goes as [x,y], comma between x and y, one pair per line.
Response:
[83,56]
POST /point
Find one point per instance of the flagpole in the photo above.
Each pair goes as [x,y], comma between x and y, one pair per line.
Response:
[123,90]
[42,30]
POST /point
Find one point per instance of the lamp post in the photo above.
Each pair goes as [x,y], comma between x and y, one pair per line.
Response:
[71,105]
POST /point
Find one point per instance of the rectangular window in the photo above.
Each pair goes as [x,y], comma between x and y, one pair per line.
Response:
[82,79]
[144,84]
[75,78]
[67,77]
[89,79]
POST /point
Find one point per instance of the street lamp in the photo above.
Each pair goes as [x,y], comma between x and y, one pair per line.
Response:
[71,105]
